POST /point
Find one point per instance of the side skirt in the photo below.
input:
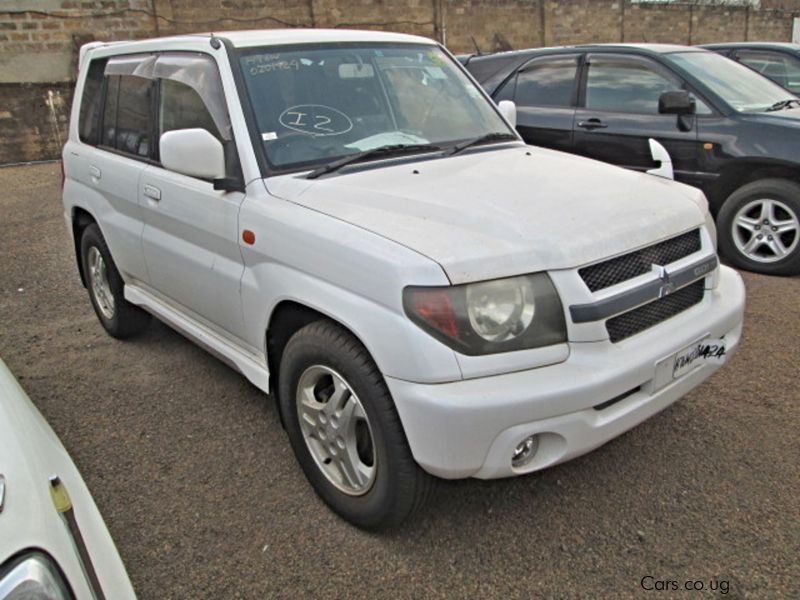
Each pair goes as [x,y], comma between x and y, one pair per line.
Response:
[252,366]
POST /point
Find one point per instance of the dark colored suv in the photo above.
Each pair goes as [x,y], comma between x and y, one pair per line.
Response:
[725,129]
[777,61]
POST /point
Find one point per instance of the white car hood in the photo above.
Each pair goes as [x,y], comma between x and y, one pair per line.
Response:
[30,453]
[505,211]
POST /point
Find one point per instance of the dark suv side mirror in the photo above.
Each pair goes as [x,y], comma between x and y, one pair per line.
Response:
[676,103]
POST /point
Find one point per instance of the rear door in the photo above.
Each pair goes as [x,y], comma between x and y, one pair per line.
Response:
[545,92]
[191,232]
[619,114]
[114,168]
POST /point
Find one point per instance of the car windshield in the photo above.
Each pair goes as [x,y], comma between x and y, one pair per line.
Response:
[317,103]
[739,86]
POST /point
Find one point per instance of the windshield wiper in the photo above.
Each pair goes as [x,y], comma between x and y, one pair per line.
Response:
[497,136]
[783,104]
[372,153]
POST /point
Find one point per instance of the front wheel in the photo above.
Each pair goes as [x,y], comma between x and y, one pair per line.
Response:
[759,227]
[344,429]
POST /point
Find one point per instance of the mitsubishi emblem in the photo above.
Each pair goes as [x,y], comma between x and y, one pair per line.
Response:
[666,283]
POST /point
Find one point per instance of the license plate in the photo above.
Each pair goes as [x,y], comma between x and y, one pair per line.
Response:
[700,353]
[694,355]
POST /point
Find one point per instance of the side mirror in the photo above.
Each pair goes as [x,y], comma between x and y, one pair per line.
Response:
[676,103]
[193,152]
[509,110]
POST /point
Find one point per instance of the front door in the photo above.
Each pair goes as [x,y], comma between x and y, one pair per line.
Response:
[619,115]
[191,234]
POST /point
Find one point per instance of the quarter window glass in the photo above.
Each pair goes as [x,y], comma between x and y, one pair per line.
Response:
[182,108]
[91,103]
[126,122]
[782,69]
[622,86]
[547,83]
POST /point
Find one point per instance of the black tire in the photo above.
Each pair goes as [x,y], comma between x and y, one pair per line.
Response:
[125,319]
[400,486]
[787,193]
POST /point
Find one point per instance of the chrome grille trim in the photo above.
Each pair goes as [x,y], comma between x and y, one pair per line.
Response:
[643,294]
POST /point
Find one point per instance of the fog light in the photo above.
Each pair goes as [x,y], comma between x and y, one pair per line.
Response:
[525,451]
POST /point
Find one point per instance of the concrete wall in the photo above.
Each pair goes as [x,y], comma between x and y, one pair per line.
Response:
[39,39]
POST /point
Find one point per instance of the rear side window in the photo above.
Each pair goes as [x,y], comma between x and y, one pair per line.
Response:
[91,103]
[619,85]
[183,108]
[548,82]
[126,118]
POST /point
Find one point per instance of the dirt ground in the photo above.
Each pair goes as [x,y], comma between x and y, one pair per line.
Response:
[193,473]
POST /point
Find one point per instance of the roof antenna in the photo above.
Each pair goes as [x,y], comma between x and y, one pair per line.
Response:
[477,49]
[214,41]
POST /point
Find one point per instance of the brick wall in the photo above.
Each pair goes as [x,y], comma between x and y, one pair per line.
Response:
[39,39]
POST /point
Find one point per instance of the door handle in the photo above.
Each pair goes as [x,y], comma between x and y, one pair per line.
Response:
[592,124]
[152,192]
[95,172]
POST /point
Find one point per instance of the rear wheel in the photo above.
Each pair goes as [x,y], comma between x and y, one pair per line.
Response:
[119,317]
[759,227]
[344,429]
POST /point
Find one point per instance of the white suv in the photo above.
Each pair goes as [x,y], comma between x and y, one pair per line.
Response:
[347,219]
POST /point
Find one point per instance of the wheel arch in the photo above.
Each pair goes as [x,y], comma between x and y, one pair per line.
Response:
[286,319]
[81,219]
[742,172]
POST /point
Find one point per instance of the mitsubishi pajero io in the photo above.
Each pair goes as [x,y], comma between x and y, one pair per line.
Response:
[348,220]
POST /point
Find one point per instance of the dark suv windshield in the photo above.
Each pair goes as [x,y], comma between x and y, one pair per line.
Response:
[740,87]
[316,103]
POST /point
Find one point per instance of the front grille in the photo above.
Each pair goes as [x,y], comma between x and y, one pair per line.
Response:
[622,268]
[641,318]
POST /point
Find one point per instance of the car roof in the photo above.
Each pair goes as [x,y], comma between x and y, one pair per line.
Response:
[652,48]
[266,37]
[772,45]
[511,56]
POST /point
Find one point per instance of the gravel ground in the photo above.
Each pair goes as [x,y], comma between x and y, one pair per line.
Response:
[193,473]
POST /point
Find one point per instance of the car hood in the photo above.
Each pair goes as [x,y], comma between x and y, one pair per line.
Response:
[498,212]
[30,453]
[790,117]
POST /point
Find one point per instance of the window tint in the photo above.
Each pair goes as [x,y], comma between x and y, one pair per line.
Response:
[126,121]
[182,108]
[625,86]
[91,102]
[110,112]
[782,69]
[547,83]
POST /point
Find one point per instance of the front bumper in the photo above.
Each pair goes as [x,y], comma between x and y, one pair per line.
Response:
[470,428]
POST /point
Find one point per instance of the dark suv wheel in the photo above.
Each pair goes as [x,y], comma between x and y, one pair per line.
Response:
[759,227]
[344,429]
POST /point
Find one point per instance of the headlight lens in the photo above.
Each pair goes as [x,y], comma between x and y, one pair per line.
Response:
[500,310]
[33,575]
[489,317]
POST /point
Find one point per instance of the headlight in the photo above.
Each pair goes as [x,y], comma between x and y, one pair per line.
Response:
[488,317]
[32,575]
[500,310]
